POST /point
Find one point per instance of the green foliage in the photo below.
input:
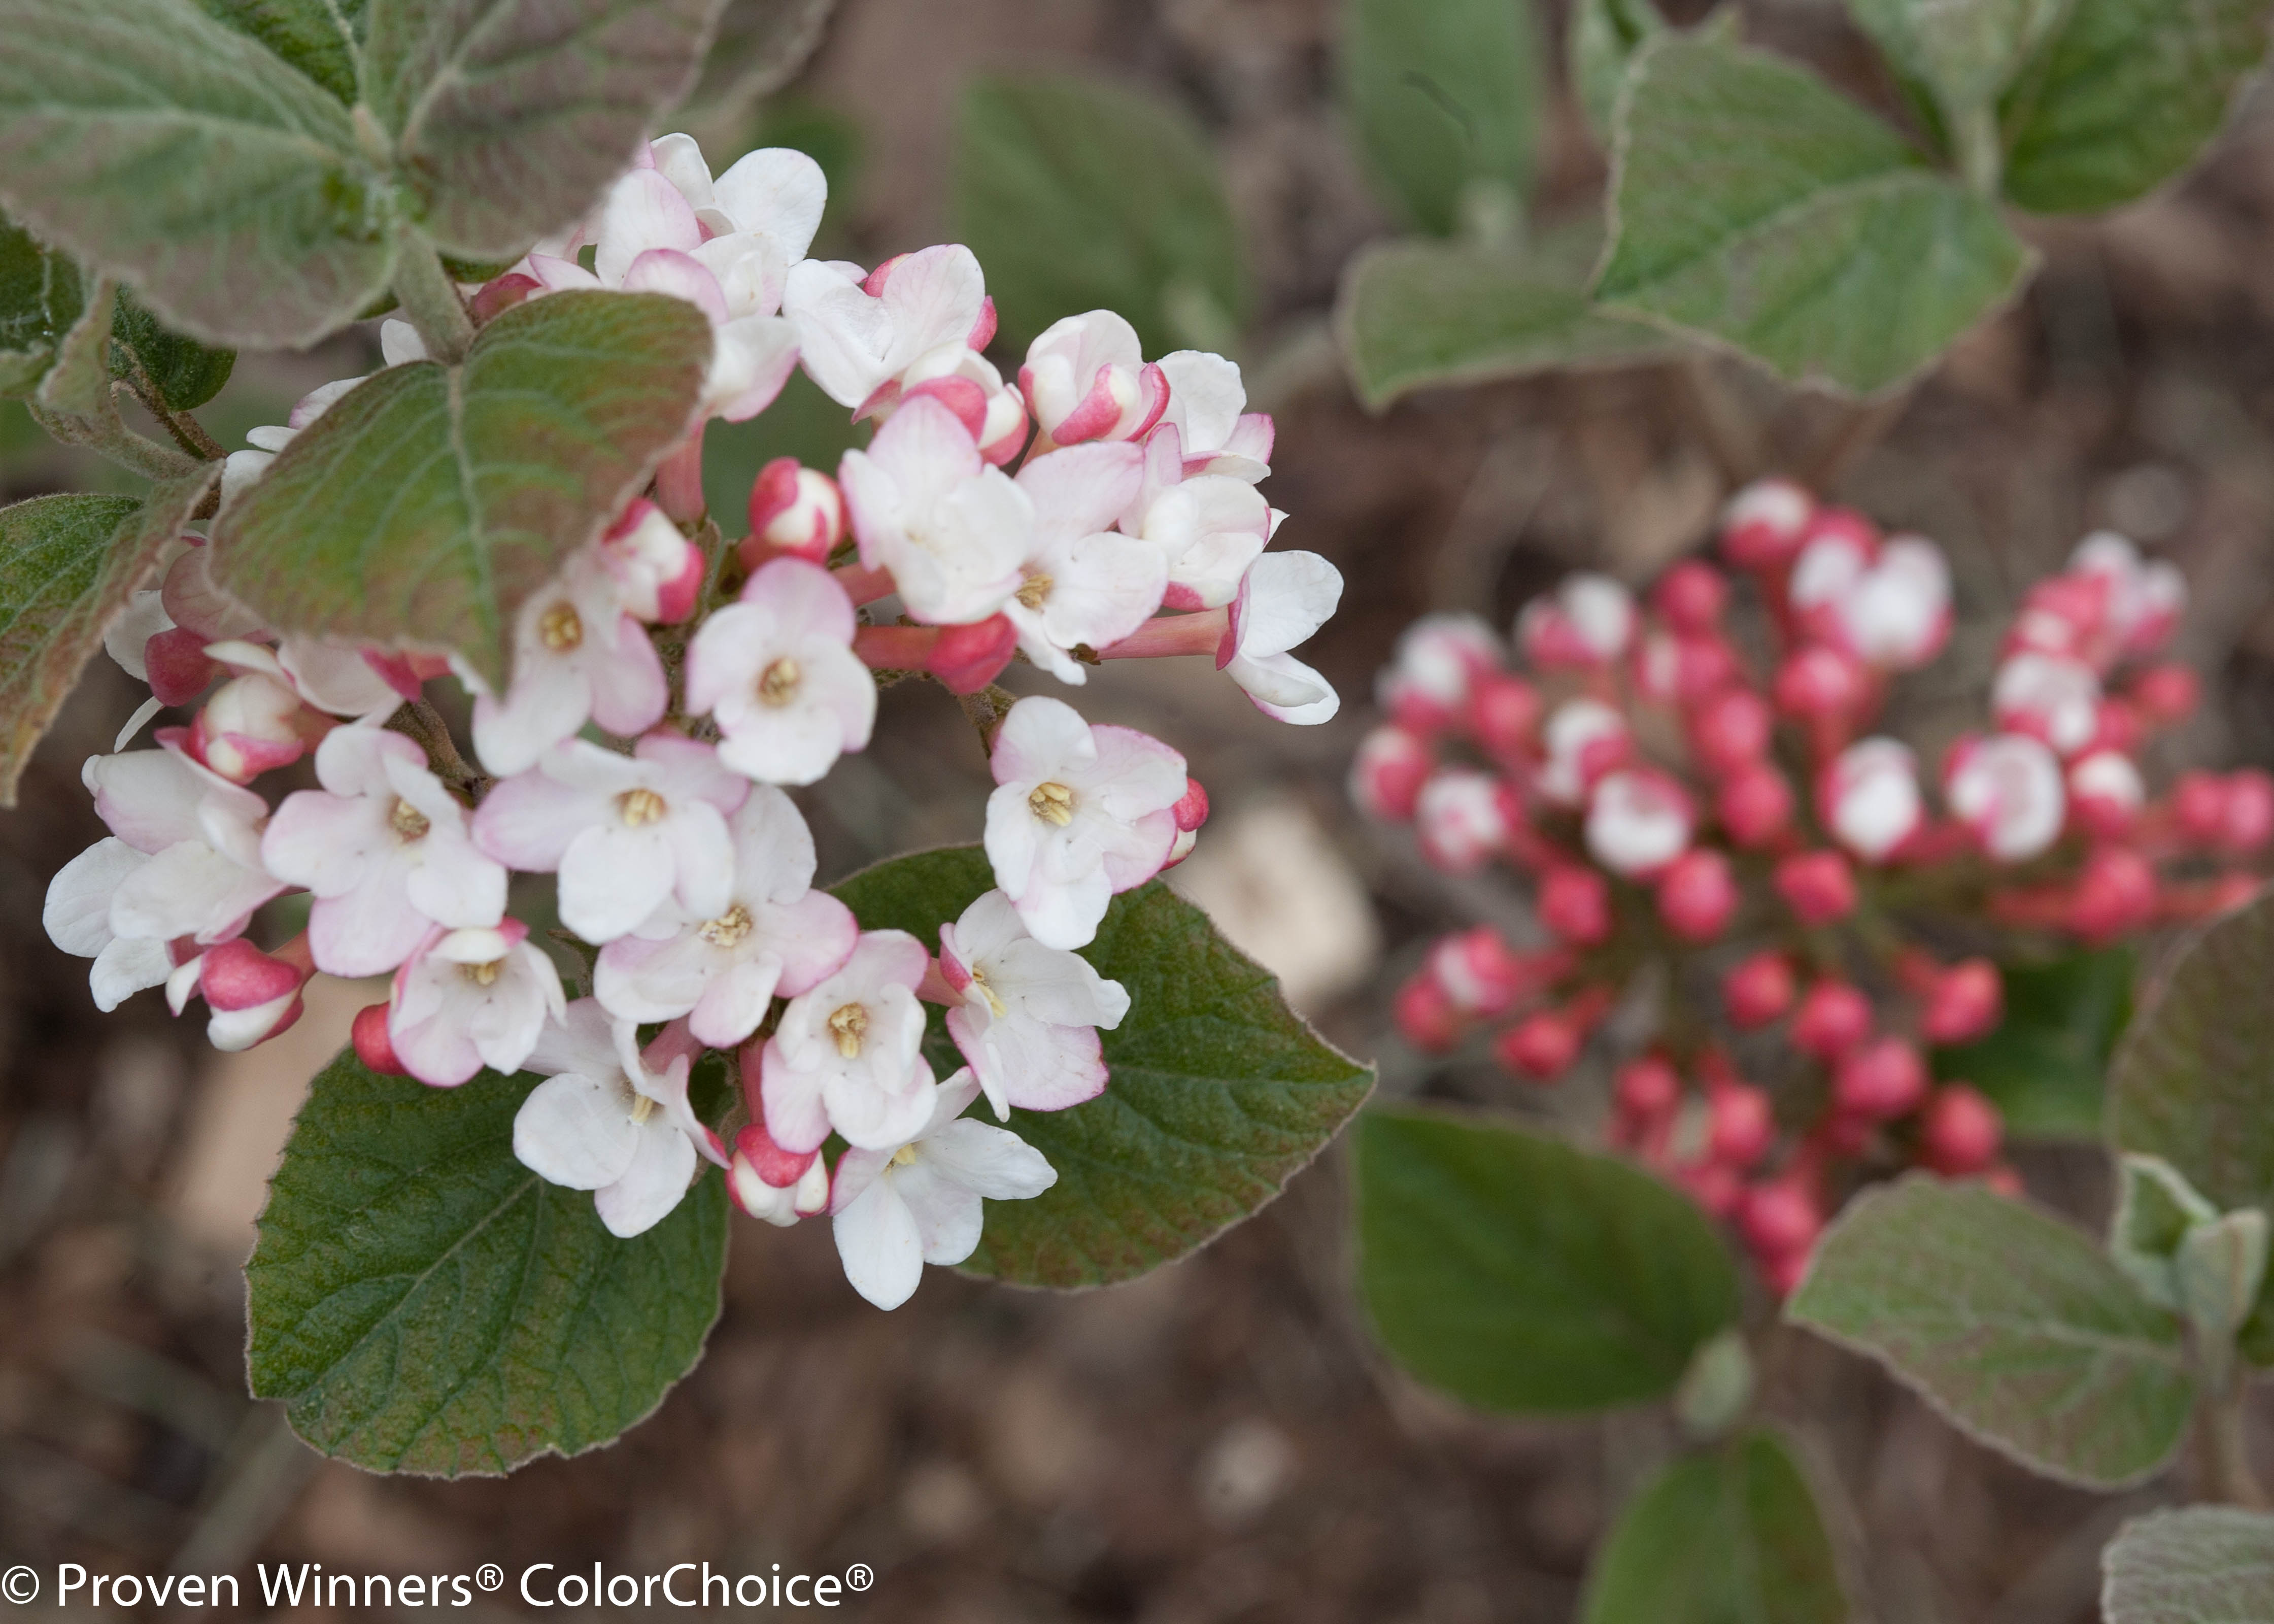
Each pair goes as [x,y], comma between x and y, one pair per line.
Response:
[40,299]
[2203,1565]
[424,1302]
[495,473]
[2044,1066]
[759,47]
[1079,195]
[1446,102]
[1603,36]
[2012,1323]
[322,38]
[67,565]
[1729,1534]
[1753,203]
[186,373]
[1219,1094]
[1519,1273]
[1417,313]
[1965,52]
[2155,1208]
[2123,96]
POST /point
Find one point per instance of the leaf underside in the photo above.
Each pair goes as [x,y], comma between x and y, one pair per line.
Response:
[2203,1565]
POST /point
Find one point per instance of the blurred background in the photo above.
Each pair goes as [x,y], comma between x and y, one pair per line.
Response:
[1217,1442]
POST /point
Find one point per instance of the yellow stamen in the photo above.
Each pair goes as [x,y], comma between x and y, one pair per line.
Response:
[777,683]
[407,821]
[905,1156]
[484,975]
[560,627]
[640,805]
[728,928]
[848,1023]
[979,980]
[1034,590]
[642,1107]
[1053,803]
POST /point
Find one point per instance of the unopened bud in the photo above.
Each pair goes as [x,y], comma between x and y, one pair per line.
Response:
[1966,1002]
[1639,822]
[1388,772]
[1692,596]
[965,658]
[372,1044]
[1780,1219]
[1585,624]
[1764,525]
[2199,807]
[2114,895]
[656,571]
[2104,792]
[1698,896]
[1755,806]
[2248,820]
[1505,714]
[1759,990]
[248,727]
[1575,903]
[2166,694]
[1820,683]
[1960,1131]
[1648,1089]
[1869,798]
[1743,1127]
[177,664]
[797,510]
[1730,732]
[1478,970]
[1818,887]
[1881,1081]
[1832,1019]
[1426,1017]
[1463,818]
[1540,1046]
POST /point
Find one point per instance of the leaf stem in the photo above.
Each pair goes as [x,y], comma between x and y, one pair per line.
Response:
[109,437]
[2228,1476]
[430,298]
[186,431]
[1981,158]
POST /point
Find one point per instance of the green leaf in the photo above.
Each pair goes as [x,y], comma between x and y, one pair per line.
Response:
[511,116]
[1967,51]
[1445,99]
[2124,95]
[1417,313]
[180,156]
[2203,1565]
[2155,1207]
[1727,1534]
[1519,1273]
[40,300]
[2012,1323]
[759,47]
[322,38]
[184,372]
[1078,195]
[1604,34]
[2045,1066]
[67,566]
[1753,203]
[495,474]
[1219,1093]
[424,1302]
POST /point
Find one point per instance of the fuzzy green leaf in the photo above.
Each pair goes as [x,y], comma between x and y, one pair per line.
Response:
[759,47]
[186,373]
[180,156]
[1078,195]
[495,473]
[1966,51]
[1417,313]
[322,38]
[1219,1093]
[424,1302]
[2203,1565]
[510,115]
[1519,1273]
[2046,1065]
[67,566]
[1728,1534]
[2012,1323]
[1603,37]
[2123,96]
[1445,101]
[1754,204]
[40,299]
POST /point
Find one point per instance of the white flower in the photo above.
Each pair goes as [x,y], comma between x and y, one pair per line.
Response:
[1583,739]
[1079,814]
[1283,598]
[202,835]
[776,936]
[1208,407]
[2049,697]
[2007,789]
[1888,605]
[845,1053]
[386,850]
[953,531]
[1082,585]
[77,916]
[466,999]
[606,1121]
[2145,600]
[1588,621]
[1638,821]
[859,333]
[578,655]
[1208,526]
[1428,679]
[896,1208]
[1030,1013]
[1086,379]
[1868,797]
[778,671]
[624,833]
[1461,817]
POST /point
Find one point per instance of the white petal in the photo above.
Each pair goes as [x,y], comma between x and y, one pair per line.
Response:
[662,1167]
[879,1243]
[576,1131]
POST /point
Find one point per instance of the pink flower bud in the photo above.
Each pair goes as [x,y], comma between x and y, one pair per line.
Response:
[1780,1219]
[2199,806]
[2009,793]
[1575,903]
[1818,887]
[250,725]
[965,658]
[774,1166]
[1869,798]
[237,976]
[1740,1125]
[2048,697]
[1463,817]
[1832,1019]
[1388,772]
[1821,684]
[1715,1186]
[1698,896]
[2118,728]
[1426,686]
[2249,812]
[1965,1001]
[1426,1017]
[1505,714]
[2115,895]
[797,509]
[1479,971]
[2003,1179]
[1763,524]
[1960,1131]
[1881,1081]
[179,668]
[1638,821]
[1648,1089]
[1730,732]
[1757,991]
[373,1046]
[656,571]
[1540,1046]
[1692,596]
[1586,624]
[2166,694]
[1583,739]
[500,295]
[1755,806]
[2104,792]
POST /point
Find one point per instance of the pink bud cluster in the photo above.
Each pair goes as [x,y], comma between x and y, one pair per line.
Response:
[1694,778]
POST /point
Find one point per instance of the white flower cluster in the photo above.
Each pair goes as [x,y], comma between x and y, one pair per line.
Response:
[1132,527]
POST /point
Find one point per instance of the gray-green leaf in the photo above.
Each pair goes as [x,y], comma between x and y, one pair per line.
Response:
[495,473]
[2011,1322]
[185,373]
[1519,1273]
[180,156]
[2123,96]
[2046,1065]
[510,115]
[40,299]
[1416,313]
[759,47]
[1966,51]
[2203,1565]
[319,37]
[1445,99]
[1079,195]
[1753,203]
[1603,37]
[1219,1092]
[1728,1534]
[424,1302]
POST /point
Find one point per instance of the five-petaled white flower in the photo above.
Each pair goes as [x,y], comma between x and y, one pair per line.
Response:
[466,999]
[579,655]
[202,834]
[1030,1017]
[778,671]
[845,1053]
[953,531]
[1210,527]
[1081,585]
